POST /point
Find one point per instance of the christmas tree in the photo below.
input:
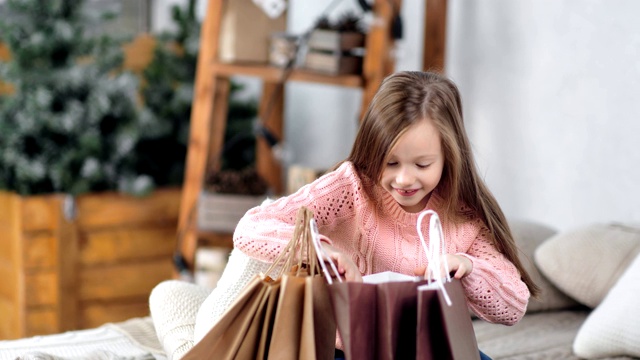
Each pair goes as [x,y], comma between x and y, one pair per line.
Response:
[168,83]
[73,121]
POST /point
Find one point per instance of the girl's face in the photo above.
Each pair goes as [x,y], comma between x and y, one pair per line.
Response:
[414,167]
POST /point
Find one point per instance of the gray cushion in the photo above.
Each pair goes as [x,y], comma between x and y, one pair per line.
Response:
[528,236]
[585,263]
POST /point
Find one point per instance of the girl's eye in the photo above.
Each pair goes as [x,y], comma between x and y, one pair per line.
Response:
[423,166]
[392,163]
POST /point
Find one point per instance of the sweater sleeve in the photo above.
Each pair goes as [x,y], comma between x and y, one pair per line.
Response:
[265,230]
[494,289]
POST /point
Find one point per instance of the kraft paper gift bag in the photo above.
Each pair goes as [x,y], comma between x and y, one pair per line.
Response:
[286,318]
[444,329]
[238,333]
[398,317]
[444,323]
[354,305]
[377,320]
[304,303]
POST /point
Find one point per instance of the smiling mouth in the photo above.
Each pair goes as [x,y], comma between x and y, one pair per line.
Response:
[403,192]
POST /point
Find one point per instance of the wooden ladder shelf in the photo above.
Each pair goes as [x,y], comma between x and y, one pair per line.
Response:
[209,112]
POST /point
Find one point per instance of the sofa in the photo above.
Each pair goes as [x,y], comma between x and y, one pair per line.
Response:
[588,308]
[589,276]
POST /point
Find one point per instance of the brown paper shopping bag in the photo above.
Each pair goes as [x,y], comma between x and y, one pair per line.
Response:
[444,329]
[287,326]
[239,330]
[301,332]
[397,314]
[285,318]
[395,317]
[377,320]
[354,305]
[317,305]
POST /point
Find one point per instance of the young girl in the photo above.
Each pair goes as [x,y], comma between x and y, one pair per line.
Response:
[411,153]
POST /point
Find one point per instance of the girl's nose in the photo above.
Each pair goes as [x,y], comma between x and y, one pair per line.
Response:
[404,177]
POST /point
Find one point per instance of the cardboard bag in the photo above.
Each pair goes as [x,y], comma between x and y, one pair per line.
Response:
[240,332]
[444,328]
[287,318]
[377,320]
[245,32]
[301,330]
[396,317]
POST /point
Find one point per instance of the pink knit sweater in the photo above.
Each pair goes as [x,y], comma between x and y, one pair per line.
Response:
[383,238]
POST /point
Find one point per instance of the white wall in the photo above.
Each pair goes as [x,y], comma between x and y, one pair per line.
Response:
[550,91]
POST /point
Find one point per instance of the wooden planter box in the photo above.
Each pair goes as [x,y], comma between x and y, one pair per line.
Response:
[98,266]
[221,212]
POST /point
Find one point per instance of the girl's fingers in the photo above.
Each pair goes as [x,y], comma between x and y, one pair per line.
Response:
[460,273]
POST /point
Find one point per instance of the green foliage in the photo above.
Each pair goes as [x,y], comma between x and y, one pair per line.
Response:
[73,120]
[168,93]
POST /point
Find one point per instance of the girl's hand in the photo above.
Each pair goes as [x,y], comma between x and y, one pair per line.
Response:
[346,267]
[459,266]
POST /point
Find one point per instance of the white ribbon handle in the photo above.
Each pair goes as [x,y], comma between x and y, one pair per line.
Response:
[322,255]
[435,252]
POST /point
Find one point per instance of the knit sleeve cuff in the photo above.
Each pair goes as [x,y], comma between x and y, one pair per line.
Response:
[326,239]
[471,258]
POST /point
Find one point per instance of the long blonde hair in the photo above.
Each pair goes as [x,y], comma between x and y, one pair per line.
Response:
[404,98]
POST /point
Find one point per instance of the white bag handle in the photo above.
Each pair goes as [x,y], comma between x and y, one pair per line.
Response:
[435,253]
[322,255]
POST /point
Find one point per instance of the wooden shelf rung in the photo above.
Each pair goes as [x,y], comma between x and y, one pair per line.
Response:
[275,74]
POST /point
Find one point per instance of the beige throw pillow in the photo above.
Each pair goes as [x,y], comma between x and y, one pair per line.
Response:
[528,235]
[612,328]
[586,262]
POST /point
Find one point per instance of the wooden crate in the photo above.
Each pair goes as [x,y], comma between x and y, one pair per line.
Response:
[332,63]
[64,273]
[222,212]
[334,41]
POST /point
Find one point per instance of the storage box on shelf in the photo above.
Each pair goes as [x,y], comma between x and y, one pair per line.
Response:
[335,53]
[245,31]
